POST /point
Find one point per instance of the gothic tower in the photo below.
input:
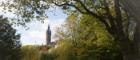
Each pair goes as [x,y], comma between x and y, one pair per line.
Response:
[48,36]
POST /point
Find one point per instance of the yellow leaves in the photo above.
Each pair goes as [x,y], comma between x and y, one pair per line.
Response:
[30,53]
[63,50]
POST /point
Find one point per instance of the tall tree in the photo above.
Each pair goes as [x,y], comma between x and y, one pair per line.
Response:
[9,41]
[114,18]
[85,38]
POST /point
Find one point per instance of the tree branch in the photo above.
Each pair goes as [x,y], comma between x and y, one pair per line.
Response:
[94,14]
[101,18]
[66,4]
[110,17]
[118,14]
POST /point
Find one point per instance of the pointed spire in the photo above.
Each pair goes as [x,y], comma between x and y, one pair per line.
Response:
[48,26]
[49,30]
[48,35]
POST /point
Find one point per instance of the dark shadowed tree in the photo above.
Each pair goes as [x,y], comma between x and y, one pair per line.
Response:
[9,41]
[133,8]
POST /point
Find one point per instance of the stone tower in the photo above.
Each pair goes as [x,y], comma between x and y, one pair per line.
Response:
[48,36]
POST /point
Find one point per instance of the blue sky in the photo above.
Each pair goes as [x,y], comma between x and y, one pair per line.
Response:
[37,32]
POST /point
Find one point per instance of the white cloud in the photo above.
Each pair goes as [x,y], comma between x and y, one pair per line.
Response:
[37,34]
[33,37]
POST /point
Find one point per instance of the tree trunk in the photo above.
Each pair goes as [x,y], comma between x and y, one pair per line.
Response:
[128,49]
[133,8]
[136,41]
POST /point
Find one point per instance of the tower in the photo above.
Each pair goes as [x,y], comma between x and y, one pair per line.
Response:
[48,36]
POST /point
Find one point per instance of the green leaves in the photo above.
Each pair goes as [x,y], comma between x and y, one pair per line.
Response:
[9,41]
[85,38]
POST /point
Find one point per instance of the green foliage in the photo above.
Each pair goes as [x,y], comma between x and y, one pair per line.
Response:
[30,53]
[85,50]
[64,51]
[85,38]
[45,55]
[9,41]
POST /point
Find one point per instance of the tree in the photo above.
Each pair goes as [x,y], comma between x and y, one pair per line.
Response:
[9,41]
[85,38]
[46,55]
[113,16]
[30,53]
[133,8]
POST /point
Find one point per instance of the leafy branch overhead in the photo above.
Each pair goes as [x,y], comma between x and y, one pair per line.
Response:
[25,10]
[100,9]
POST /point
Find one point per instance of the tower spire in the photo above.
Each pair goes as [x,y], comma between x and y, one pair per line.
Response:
[48,35]
[48,26]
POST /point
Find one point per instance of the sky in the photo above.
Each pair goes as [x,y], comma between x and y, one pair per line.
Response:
[36,35]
